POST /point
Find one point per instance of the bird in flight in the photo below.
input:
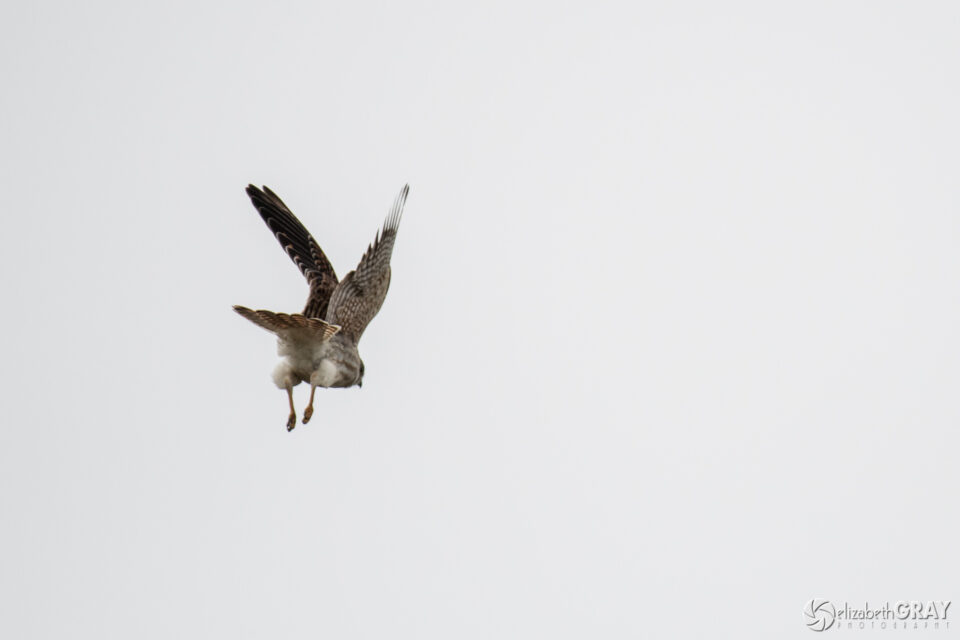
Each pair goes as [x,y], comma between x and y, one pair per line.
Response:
[319,345]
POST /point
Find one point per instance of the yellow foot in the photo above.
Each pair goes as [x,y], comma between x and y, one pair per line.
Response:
[291,421]
[307,414]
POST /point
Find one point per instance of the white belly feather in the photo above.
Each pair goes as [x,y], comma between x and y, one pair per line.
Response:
[325,375]
[299,364]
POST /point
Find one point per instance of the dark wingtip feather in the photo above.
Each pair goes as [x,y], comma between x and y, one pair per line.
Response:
[396,211]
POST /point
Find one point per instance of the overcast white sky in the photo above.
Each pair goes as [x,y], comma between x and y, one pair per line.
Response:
[671,345]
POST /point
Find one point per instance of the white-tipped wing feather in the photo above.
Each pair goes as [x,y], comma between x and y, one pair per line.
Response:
[300,246]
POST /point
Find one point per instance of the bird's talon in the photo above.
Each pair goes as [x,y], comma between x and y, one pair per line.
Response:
[307,414]
[291,422]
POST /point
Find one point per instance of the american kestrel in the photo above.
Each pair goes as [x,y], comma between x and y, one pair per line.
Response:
[319,345]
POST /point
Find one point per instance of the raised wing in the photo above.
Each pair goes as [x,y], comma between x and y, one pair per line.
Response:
[300,246]
[358,298]
[289,325]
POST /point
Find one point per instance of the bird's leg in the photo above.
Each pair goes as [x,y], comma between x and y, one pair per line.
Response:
[292,420]
[308,412]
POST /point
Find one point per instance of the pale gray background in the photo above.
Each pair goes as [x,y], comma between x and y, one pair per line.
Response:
[671,345]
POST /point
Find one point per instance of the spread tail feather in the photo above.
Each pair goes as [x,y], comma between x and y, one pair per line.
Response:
[279,323]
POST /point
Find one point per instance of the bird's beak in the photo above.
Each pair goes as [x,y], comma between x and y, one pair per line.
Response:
[360,383]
